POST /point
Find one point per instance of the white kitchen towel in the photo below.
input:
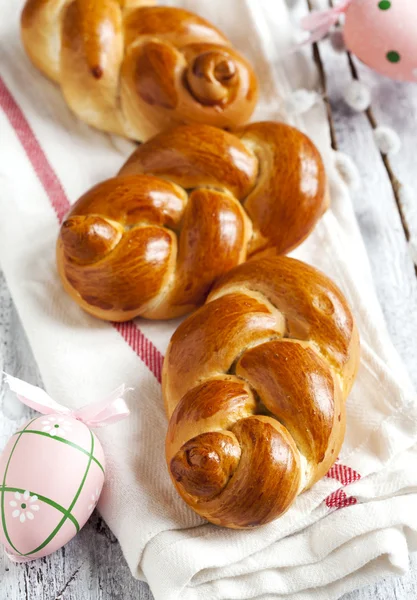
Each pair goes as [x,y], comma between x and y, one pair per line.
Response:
[357,523]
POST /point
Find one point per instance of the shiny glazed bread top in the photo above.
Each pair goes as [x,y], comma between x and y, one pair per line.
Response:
[255,384]
[189,205]
[135,70]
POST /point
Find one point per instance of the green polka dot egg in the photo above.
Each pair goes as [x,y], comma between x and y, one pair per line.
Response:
[383,34]
[51,476]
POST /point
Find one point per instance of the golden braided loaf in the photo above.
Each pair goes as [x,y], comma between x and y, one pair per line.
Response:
[255,384]
[135,70]
[188,206]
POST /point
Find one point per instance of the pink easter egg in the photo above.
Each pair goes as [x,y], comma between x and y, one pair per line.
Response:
[383,34]
[51,476]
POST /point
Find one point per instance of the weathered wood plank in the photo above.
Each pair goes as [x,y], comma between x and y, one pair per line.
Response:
[90,567]
[395,588]
[394,104]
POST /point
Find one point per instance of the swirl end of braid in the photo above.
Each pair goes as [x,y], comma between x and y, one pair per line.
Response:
[204,465]
[87,238]
[212,77]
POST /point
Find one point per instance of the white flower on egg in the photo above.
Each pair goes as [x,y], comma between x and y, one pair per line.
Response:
[24,506]
[56,426]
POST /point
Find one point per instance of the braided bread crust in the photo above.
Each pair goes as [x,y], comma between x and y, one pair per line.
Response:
[188,206]
[255,384]
[134,70]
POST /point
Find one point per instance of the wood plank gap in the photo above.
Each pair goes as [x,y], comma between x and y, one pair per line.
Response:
[67,584]
[395,183]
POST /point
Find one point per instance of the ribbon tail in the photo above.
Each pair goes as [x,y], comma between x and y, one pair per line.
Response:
[320,22]
[34,397]
[316,20]
[105,412]
[316,35]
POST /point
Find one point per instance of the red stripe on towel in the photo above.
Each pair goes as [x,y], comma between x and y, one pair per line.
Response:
[139,343]
[345,475]
[143,347]
[34,152]
[339,499]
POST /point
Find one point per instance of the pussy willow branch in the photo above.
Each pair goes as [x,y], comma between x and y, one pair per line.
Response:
[395,183]
[323,84]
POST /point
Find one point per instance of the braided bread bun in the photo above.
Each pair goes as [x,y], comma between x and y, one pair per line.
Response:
[135,70]
[255,384]
[188,206]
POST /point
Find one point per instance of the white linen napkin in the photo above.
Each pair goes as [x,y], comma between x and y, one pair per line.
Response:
[354,525]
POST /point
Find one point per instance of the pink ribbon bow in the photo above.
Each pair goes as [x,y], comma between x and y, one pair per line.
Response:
[320,22]
[101,413]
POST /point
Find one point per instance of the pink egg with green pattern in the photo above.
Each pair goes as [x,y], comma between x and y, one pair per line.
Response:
[51,477]
[383,34]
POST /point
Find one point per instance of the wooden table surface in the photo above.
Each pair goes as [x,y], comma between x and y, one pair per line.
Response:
[91,566]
